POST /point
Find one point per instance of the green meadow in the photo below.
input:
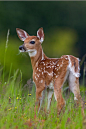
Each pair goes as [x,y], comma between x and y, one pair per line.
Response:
[17,108]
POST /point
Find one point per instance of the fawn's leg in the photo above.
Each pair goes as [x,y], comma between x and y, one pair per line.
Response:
[49,95]
[58,95]
[39,97]
[42,99]
[74,87]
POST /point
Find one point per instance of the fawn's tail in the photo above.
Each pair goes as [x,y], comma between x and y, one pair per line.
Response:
[74,65]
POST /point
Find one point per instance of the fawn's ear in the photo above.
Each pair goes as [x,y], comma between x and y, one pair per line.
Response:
[40,34]
[22,34]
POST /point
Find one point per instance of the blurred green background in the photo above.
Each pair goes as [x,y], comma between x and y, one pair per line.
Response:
[64,24]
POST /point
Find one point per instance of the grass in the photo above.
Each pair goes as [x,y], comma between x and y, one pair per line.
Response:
[17,106]
[17,109]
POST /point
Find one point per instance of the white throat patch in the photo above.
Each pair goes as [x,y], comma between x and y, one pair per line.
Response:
[32,52]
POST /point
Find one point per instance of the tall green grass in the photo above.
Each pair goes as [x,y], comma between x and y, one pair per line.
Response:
[17,110]
[17,103]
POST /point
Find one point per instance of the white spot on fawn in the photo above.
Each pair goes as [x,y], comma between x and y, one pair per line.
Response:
[48,66]
[41,81]
[61,65]
[56,76]
[54,73]
[36,78]
[39,70]
[38,75]
[66,58]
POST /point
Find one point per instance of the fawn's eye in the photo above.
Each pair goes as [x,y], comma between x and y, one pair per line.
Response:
[32,42]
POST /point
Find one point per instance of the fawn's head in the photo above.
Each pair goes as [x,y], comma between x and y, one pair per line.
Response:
[31,43]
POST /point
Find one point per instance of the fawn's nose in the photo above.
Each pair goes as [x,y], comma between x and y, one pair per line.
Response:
[20,47]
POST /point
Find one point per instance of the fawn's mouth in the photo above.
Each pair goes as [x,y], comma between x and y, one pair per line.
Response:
[32,52]
[22,48]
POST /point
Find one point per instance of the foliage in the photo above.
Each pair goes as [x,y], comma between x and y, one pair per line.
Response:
[59,41]
[31,15]
[15,59]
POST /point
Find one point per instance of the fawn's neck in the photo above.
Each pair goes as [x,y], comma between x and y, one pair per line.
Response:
[38,57]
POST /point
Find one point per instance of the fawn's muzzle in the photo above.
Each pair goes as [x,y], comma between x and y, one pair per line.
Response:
[22,49]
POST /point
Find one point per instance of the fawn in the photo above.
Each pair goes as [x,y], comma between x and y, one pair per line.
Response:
[50,73]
